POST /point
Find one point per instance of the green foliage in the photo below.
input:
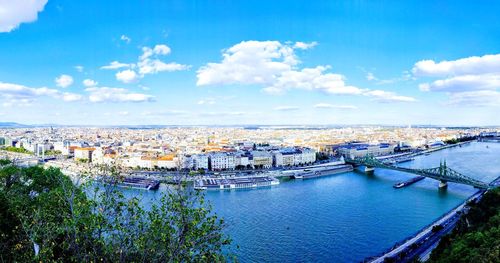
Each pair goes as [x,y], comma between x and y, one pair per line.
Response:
[53,152]
[5,162]
[80,160]
[477,235]
[96,222]
[455,141]
[16,150]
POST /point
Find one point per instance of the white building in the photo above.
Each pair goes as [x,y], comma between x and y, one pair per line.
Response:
[186,162]
[262,159]
[84,154]
[363,149]
[166,162]
[242,160]
[222,161]
[200,161]
[308,156]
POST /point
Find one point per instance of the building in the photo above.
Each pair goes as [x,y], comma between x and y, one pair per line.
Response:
[84,154]
[186,162]
[308,156]
[200,161]
[243,160]
[262,159]
[222,161]
[436,144]
[294,156]
[103,156]
[168,161]
[355,150]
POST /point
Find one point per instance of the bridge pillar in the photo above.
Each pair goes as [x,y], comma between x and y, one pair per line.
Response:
[443,184]
[369,169]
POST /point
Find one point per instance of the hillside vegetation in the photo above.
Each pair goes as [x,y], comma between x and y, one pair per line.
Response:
[477,235]
[44,217]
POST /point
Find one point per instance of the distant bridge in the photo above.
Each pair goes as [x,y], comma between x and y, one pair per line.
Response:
[442,173]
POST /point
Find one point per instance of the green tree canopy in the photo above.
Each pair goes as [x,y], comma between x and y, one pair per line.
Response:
[45,217]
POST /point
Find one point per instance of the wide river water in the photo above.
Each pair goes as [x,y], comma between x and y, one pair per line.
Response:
[345,217]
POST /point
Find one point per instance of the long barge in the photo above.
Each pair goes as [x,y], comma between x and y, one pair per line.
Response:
[396,160]
[216,183]
[409,182]
[323,171]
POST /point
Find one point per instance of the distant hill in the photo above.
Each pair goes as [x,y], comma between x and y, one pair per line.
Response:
[12,125]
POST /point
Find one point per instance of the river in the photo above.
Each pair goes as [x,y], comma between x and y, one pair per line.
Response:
[345,217]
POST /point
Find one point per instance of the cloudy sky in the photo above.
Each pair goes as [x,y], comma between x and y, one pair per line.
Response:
[249,62]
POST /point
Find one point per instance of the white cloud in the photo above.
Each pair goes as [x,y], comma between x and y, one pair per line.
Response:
[148,63]
[19,91]
[106,94]
[144,87]
[207,101]
[249,62]
[464,83]
[71,96]
[387,96]
[302,45]
[331,106]
[312,79]
[127,76]
[123,113]
[154,66]
[286,108]
[89,83]
[164,113]
[79,68]
[116,65]
[18,103]
[464,66]
[161,50]
[13,13]
[275,66]
[148,52]
[482,98]
[370,76]
[405,76]
[472,81]
[125,38]
[222,113]
[64,81]
[15,93]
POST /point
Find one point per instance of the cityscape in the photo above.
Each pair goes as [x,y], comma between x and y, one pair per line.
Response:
[201,131]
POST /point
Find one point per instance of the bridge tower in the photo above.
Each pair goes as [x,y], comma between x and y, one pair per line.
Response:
[443,173]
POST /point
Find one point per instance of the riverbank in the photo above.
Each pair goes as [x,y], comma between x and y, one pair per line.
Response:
[476,237]
[406,250]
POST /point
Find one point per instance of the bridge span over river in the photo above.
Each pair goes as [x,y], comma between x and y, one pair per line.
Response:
[442,173]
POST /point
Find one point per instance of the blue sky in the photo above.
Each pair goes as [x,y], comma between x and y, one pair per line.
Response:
[250,62]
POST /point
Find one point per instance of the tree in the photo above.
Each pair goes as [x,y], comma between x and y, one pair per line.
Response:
[476,238]
[45,217]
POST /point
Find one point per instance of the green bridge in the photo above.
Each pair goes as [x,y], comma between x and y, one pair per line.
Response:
[442,173]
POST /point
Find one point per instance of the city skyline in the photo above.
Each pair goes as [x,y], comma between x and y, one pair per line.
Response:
[195,63]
